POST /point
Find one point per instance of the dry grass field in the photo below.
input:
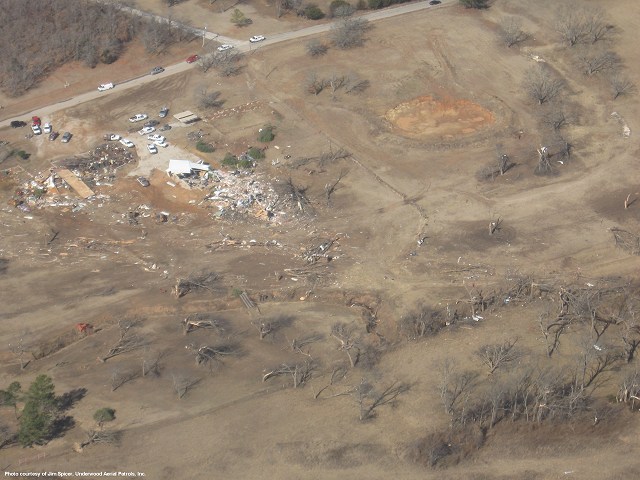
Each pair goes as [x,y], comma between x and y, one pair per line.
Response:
[415,260]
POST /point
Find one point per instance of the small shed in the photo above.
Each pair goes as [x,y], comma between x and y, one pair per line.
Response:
[186,117]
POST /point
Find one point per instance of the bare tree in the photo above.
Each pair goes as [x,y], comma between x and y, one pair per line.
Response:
[330,188]
[455,386]
[541,84]
[120,377]
[596,25]
[356,84]
[344,335]
[570,23]
[630,335]
[209,100]
[511,31]
[629,390]
[552,329]
[157,36]
[314,84]
[555,118]
[421,322]
[263,326]
[599,61]
[151,362]
[227,63]
[621,85]
[316,48]
[349,32]
[369,399]
[580,23]
[544,162]
[18,349]
[183,383]
[298,344]
[498,354]
[338,374]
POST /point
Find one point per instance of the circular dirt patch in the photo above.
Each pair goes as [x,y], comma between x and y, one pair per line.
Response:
[446,118]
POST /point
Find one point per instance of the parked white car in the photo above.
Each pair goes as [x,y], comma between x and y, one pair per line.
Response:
[152,148]
[46,128]
[138,117]
[161,143]
[146,130]
[114,137]
[257,38]
[156,137]
[36,130]
[127,143]
[105,86]
[224,47]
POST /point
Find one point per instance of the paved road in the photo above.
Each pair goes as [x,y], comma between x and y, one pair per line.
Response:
[240,45]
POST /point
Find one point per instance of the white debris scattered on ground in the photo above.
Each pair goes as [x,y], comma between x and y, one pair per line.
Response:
[626,131]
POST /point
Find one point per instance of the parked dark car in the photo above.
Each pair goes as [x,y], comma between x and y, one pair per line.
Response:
[192,58]
[66,137]
[18,124]
[151,123]
[435,2]
[157,70]
[143,181]
[53,136]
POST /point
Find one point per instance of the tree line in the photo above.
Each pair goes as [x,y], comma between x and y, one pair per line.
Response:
[38,37]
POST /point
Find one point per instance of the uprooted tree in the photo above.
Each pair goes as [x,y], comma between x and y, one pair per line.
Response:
[346,341]
[127,341]
[300,373]
[194,282]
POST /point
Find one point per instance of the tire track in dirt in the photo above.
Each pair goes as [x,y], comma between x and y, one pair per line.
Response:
[353,158]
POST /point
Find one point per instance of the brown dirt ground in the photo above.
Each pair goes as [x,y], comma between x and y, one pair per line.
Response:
[402,184]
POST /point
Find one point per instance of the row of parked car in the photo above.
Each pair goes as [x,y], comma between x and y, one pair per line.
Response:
[38,129]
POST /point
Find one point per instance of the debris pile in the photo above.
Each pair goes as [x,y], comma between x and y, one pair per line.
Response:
[240,192]
[99,166]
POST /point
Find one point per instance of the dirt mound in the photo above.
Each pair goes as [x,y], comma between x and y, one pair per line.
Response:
[447,117]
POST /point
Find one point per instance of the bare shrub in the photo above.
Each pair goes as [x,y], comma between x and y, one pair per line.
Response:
[511,31]
[422,322]
[349,32]
[316,48]
[209,100]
